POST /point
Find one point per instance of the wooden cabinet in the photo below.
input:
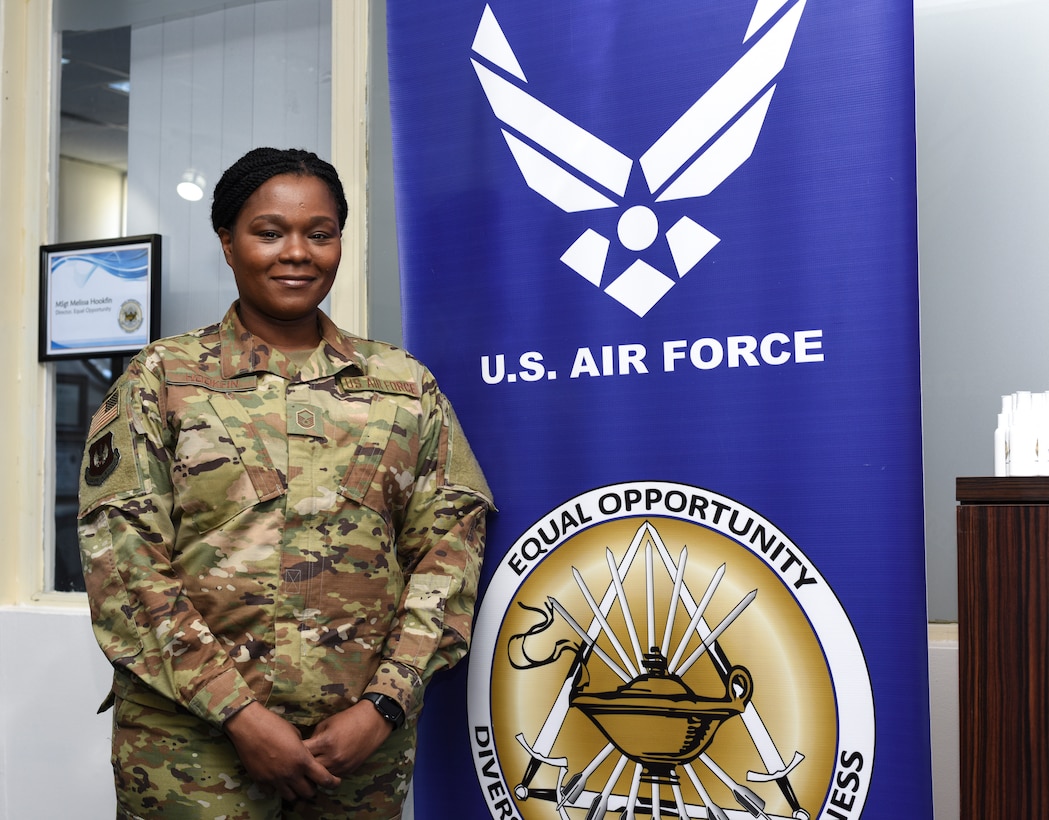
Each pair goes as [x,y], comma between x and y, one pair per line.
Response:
[1003,635]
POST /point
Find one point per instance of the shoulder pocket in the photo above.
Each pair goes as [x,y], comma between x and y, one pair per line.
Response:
[110,471]
[371,450]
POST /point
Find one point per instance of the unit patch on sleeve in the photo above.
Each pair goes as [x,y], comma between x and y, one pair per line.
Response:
[102,459]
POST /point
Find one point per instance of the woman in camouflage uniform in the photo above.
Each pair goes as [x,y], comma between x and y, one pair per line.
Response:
[281,526]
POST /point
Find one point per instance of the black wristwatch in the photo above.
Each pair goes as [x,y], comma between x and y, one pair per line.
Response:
[387,707]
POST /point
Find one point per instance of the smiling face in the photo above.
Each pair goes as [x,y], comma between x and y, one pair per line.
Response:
[284,249]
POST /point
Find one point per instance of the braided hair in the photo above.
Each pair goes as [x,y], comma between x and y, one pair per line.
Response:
[257,166]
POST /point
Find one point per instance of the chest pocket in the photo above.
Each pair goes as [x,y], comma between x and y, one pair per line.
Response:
[382,472]
[222,464]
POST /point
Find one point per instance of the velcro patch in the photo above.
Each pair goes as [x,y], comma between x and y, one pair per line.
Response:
[102,459]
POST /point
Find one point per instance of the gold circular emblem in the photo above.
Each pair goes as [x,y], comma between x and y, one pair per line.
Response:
[130,316]
[669,661]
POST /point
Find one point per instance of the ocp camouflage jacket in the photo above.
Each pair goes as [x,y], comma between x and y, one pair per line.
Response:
[253,530]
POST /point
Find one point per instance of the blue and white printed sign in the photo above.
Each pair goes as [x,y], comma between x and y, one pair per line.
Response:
[98,297]
[663,259]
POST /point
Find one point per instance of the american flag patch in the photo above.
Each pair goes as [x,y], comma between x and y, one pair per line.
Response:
[105,414]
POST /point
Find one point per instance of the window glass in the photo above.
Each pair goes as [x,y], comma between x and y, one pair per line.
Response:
[92,175]
[80,386]
[151,100]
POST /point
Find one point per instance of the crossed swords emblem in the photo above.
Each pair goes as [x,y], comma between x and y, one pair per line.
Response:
[577,171]
[574,792]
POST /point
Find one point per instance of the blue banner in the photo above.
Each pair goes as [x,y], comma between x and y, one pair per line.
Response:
[663,259]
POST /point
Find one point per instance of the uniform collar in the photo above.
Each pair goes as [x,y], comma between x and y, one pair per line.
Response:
[244,353]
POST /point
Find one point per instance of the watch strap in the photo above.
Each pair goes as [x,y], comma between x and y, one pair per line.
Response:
[386,706]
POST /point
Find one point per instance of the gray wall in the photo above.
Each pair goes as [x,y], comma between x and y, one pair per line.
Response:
[384,287]
[982,77]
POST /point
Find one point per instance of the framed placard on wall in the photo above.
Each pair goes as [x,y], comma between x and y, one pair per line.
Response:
[99,298]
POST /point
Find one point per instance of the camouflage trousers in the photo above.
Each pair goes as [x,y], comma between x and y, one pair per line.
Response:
[169,764]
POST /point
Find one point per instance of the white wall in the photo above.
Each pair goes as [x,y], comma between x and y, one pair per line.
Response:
[90,201]
[54,748]
[943,702]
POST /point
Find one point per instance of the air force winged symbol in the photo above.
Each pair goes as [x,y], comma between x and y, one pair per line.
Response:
[577,171]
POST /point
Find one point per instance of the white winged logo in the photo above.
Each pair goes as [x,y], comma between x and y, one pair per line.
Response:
[577,171]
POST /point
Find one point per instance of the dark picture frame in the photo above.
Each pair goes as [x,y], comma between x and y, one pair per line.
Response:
[99,298]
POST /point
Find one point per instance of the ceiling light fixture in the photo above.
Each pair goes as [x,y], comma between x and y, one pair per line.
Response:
[192,186]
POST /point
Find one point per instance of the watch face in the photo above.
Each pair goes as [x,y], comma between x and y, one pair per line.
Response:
[387,707]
